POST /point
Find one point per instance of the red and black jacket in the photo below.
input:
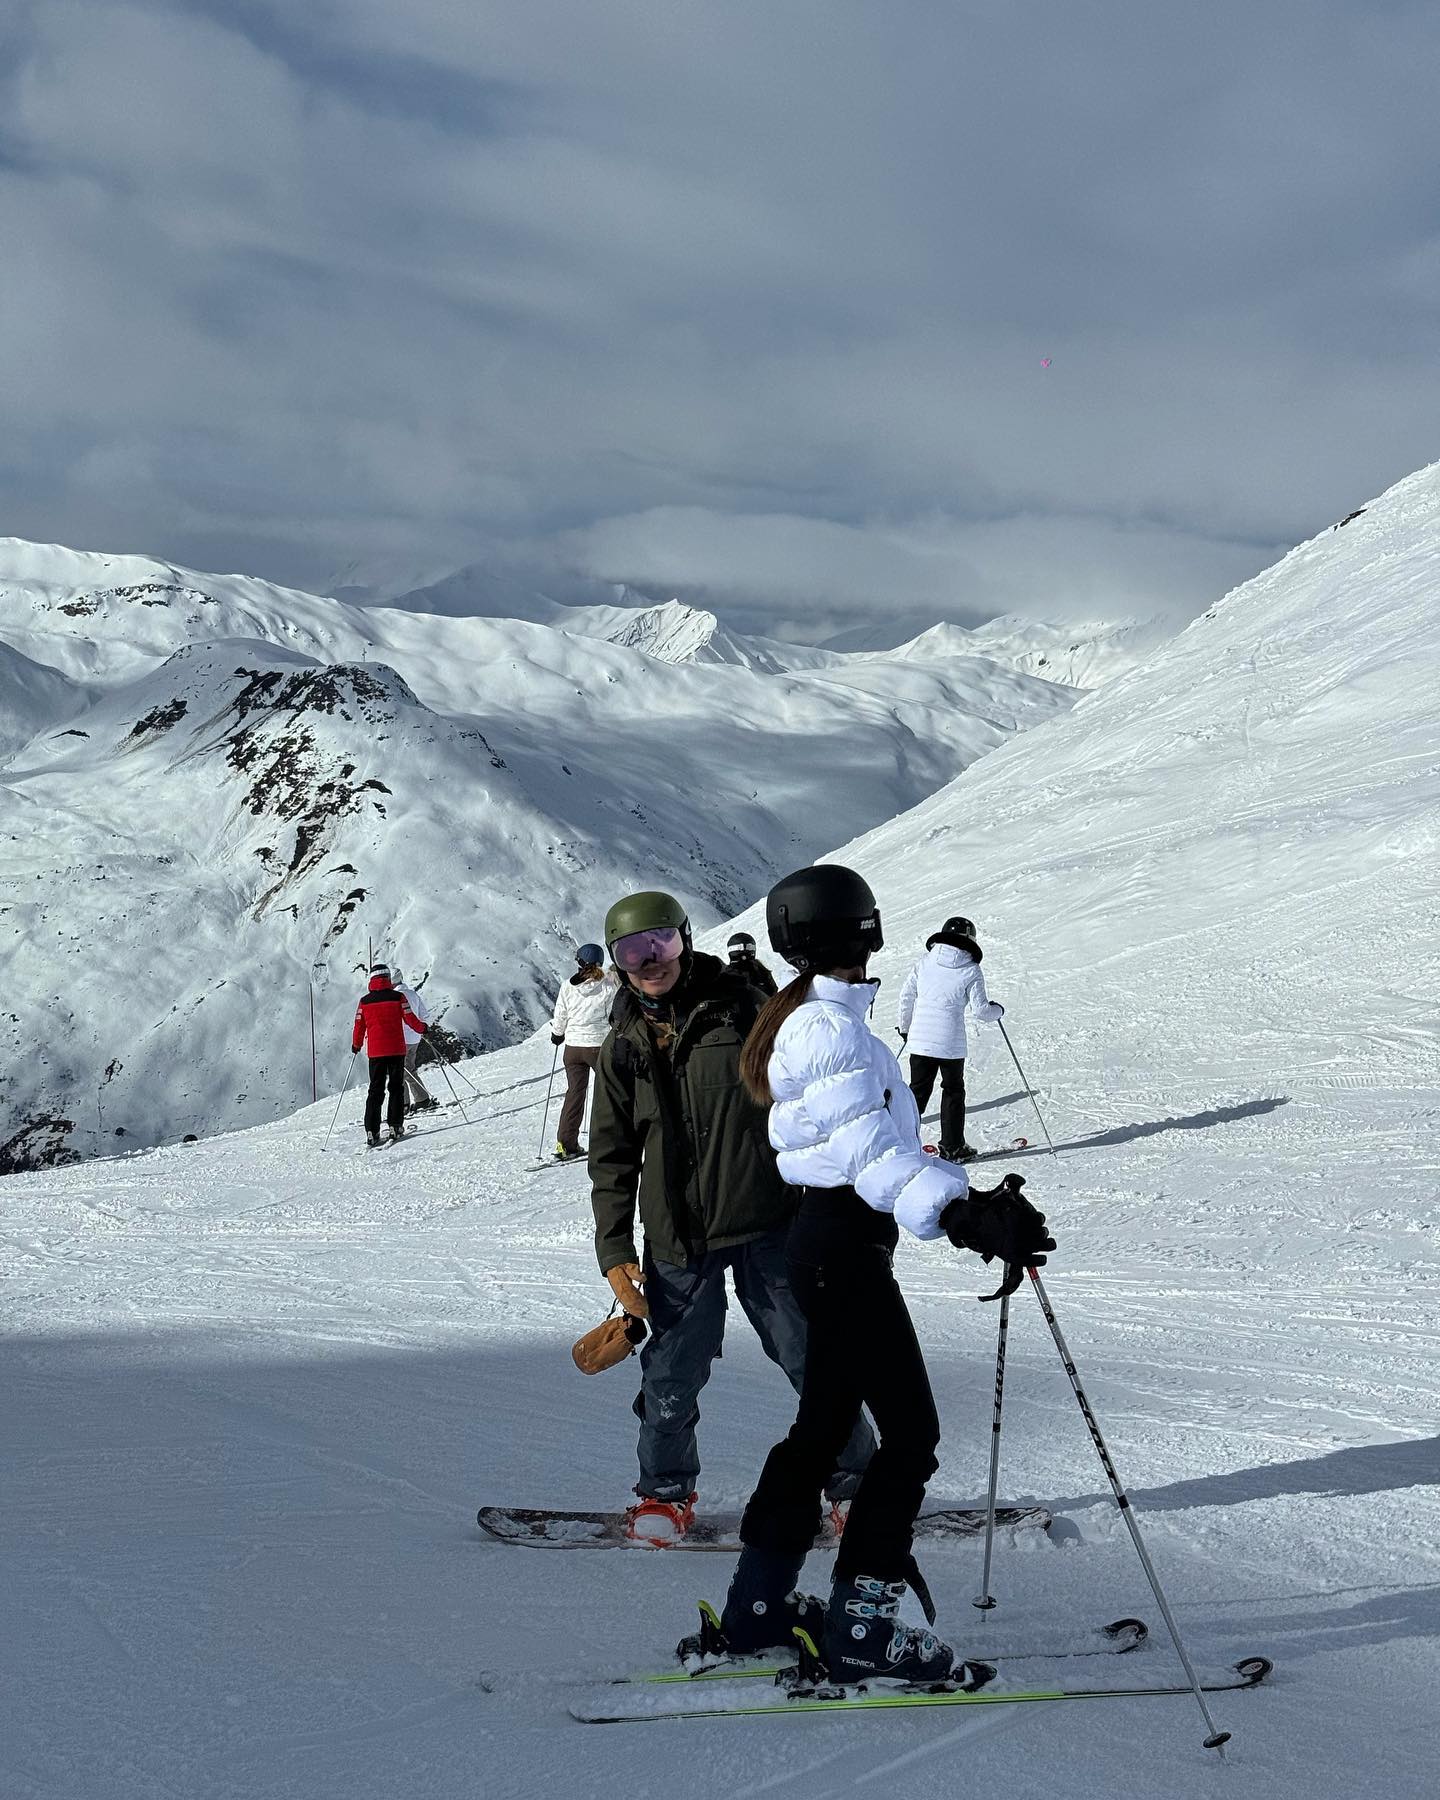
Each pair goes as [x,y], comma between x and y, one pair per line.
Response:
[381,1018]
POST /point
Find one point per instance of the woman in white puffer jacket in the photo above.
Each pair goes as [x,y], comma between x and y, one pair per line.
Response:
[847,1134]
[580,1021]
[937,990]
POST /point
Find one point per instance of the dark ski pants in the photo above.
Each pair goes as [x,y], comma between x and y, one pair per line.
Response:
[579,1061]
[386,1071]
[923,1070]
[862,1350]
[687,1327]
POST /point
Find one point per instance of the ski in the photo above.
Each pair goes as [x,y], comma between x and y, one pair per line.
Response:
[612,1706]
[556,1529]
[1120,1636]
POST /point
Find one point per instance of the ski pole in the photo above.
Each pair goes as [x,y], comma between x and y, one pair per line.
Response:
[453,1094]
[986,1599]
[1216,1737]
[1025,1083]
[348,1073]
[454,1062]
[545,1116]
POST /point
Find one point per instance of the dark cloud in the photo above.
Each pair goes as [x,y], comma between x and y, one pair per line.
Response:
[745,302]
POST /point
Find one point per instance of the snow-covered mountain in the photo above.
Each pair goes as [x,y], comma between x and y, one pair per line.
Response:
[1244,828]
[234,782]
[1080,656]
[257,1386]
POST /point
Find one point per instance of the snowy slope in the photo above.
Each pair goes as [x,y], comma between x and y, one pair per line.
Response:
[470,793]
[257,1388]
[32,698]
[1083,656]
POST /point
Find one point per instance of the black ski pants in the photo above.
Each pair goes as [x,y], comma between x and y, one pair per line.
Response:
[861,1350]
[386,1071]
[951,1069]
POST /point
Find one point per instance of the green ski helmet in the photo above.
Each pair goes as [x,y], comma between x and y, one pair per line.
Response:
[650,911]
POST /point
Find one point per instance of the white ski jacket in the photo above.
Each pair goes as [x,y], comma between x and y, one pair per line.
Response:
[844,1116]
[933,1000]
[420,1010]
[582,1010]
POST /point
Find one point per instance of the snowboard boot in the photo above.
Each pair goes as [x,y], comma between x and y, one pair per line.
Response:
[763,1606]
[864,1636]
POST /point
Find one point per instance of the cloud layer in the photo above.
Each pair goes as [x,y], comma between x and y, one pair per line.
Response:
[746,301]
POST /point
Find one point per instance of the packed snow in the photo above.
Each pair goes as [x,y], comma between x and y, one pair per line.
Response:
[258,1385]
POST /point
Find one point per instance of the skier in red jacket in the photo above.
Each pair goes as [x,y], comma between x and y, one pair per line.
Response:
[380,1021]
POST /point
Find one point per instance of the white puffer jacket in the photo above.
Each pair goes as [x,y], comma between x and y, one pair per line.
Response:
[933,1000]
[582,1010]
[843,1115]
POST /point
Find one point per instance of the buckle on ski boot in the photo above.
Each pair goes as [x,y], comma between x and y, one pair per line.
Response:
[706,1647]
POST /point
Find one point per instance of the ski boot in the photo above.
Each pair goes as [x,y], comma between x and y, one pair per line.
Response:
[864,1637]
[659,1522]
[958,1153]
[396,1133]
[562,1154]
[372,1140]
[763,1606]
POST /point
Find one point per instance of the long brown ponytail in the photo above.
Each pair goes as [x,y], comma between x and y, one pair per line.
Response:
[755,1056]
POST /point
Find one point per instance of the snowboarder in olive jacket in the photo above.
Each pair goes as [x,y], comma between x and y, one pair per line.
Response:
[673,1131]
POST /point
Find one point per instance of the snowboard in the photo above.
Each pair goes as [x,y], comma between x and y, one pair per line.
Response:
[553,1528]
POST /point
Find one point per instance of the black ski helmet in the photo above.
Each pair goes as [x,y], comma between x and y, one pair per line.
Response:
[740,946]
[961,927]
[590,956]
[824,915]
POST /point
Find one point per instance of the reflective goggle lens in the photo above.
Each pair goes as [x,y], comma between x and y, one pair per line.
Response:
[641,947]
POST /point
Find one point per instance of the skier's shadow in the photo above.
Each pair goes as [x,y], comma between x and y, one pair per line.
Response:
[1362,1469]
[1125,1134]
[1201,1121]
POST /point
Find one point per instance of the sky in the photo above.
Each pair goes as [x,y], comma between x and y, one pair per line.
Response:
[825,313]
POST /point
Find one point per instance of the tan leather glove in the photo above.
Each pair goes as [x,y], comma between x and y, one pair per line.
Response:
[625,1282]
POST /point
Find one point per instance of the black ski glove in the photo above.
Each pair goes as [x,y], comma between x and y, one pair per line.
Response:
[556,1040]
[1001,1222]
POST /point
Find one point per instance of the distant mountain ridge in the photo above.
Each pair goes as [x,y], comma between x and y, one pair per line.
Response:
[214,791]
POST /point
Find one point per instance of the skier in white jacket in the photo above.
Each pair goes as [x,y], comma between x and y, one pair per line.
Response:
[933,1000]
[847,1133]
[418,1097]
[580,1022]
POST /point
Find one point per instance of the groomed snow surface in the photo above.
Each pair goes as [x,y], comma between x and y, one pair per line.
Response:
[255,1391]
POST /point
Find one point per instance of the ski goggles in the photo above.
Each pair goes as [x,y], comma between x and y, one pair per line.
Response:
[633,951]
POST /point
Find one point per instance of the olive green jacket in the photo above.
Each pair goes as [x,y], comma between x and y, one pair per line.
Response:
[676,1130]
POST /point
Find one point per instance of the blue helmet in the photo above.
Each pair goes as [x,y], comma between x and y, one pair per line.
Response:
[590,956]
